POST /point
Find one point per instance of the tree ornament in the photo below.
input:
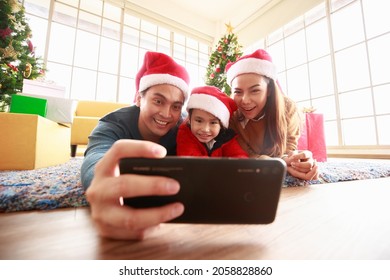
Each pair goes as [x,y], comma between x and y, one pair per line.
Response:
[15,6]
[27,71]
[9,51]
[12,18]
[30,46]
[19,27]
[13,67]
[4,33]
[229,28]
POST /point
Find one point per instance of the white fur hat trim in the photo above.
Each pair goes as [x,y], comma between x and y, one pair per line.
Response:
[211,105]
[251,65]
[157,79]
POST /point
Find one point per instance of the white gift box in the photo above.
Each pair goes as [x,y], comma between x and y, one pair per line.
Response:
[43,88]
[60,110]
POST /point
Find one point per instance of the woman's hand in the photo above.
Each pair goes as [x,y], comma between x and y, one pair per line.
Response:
[108,188]
[301,164]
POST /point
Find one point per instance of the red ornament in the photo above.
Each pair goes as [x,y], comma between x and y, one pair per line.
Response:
[219,48]
[5,32]
[217,69]
[212,76]
[13,67]
[30,46]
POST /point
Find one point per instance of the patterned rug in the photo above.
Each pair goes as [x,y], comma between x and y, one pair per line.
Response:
[59,186]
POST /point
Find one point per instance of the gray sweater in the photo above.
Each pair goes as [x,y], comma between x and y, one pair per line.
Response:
[121,124]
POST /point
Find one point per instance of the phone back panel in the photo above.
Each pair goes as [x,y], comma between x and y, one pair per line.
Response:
[215,190]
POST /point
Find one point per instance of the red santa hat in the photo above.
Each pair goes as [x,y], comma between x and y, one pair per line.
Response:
[159,68]
[212,100]
[259,62]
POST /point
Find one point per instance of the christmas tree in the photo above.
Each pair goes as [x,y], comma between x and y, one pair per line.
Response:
[17,57]
[227,50]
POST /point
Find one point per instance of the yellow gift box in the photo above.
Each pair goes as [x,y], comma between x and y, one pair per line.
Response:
[30,141]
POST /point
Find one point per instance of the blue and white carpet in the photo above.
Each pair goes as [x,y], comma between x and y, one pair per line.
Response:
[59,186]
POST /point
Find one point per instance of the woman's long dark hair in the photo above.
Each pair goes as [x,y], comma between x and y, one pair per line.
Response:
[275,138]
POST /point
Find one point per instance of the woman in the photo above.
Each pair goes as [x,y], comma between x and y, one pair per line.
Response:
[267,121]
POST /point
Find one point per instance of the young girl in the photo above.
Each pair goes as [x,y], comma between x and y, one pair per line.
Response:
[267,121]
[206,132]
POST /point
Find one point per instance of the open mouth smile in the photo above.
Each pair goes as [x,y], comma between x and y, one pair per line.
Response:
[161,123]
[248,109]
[204,137]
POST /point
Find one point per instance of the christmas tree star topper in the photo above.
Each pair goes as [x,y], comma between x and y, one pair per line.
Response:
[229,28]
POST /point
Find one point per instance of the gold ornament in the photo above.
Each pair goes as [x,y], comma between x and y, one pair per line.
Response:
[229,28]
[27,71]
[15,6]
[9,51]
[12,18]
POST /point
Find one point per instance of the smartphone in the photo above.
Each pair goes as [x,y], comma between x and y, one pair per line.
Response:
[214,190]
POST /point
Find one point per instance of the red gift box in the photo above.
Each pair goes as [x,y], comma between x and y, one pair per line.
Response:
[313,136]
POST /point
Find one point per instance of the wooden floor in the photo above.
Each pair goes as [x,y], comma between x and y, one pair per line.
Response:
[349,220]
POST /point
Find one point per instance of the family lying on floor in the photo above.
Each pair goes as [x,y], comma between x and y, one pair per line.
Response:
[258,120]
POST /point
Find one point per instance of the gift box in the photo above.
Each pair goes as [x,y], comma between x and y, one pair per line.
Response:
[31,142]
[43,88]
[28,105]
[313,136]
[60,110]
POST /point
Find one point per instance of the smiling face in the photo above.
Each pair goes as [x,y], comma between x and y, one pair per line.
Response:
[204,125]
[250,94]
[160,110]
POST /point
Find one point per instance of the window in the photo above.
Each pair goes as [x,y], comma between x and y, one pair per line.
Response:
[95,48]
[336,58]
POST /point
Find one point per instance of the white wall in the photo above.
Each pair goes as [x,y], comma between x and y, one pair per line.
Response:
[262,19]
[165,13]
[269,19]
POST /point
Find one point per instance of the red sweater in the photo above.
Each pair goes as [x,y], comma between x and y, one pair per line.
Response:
[226,144]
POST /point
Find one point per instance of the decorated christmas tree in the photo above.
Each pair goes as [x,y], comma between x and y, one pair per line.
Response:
[227,50]
[17,56]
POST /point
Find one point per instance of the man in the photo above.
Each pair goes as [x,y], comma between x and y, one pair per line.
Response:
[146,129]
